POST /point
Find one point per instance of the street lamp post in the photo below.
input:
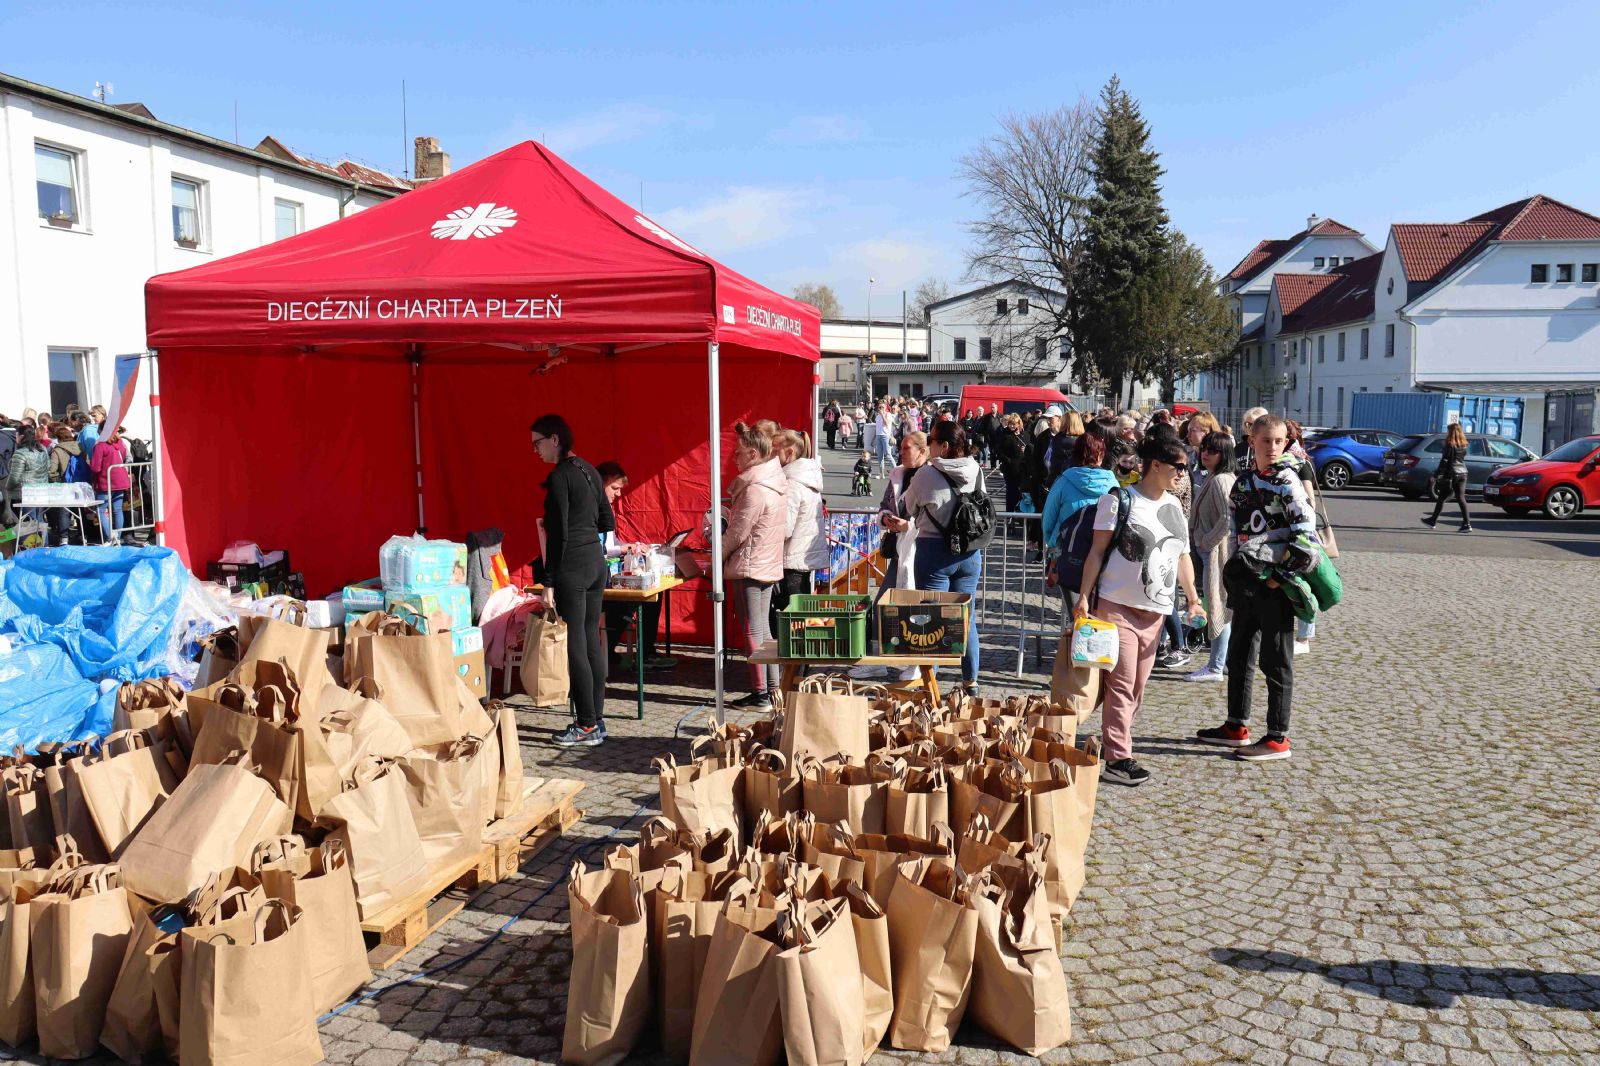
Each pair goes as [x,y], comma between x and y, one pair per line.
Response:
[867,359]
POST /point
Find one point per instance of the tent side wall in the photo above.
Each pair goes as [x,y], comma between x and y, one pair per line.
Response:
[307,453]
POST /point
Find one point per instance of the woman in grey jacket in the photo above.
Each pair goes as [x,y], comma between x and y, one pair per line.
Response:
[1213,544]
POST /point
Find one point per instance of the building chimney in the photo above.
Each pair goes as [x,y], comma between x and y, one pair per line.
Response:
[1311,222]
[430,162]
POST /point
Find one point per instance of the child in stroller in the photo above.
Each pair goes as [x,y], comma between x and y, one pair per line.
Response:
[861,484]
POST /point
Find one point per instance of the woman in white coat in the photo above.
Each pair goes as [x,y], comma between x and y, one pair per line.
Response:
[805,540]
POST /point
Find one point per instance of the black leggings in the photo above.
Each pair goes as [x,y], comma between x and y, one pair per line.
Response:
[578,604]
[1458,487]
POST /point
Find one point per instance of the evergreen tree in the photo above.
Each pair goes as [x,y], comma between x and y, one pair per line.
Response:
[1124,239]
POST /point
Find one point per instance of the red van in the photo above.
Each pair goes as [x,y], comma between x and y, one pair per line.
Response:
[1013,399]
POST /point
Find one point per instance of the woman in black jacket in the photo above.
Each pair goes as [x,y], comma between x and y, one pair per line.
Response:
[1452,477]
[1011,451]
[576,514]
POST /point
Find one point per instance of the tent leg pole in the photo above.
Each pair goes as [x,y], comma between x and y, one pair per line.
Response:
[717,595]
[159,529]
[416,435]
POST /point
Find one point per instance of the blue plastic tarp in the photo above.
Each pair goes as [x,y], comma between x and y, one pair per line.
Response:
[110,609]
[82,620]
[44,698]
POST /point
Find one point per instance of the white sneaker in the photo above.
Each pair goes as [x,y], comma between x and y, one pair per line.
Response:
[1205,673]
[1302,647]
[869,673]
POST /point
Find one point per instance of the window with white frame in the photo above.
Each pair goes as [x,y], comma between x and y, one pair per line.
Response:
[1591,273]
[1539,273]
[1366,338]
[1065,349]
[1341,346]
[1318,263]
[286,218]
[985,347]
[1022,305]
[1388,340]
[1000,306]
[1039,355]
[69,378]
[1322,350]
[1349,259]
[56,177]
[186,196]
[1564,272]
[961,347]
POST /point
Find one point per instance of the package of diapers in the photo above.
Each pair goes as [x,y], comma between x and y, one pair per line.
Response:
[1094,644]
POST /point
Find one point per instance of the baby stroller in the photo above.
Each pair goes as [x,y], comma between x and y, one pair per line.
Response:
[861,484]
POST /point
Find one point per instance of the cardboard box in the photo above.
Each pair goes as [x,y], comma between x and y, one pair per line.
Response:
[470,668]
[416,607]
[923,623]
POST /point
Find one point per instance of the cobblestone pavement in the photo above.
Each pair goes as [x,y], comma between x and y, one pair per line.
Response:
[1421,883]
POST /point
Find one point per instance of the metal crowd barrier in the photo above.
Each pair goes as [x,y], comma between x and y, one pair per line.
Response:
[138,509]
[1012,603]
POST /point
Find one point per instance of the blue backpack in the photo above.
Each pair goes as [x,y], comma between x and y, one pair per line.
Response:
[78,469]
[1076,540]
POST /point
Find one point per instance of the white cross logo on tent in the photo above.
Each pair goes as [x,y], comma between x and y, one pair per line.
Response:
[485,220]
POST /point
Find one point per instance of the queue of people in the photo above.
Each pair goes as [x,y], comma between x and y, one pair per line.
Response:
[39,449]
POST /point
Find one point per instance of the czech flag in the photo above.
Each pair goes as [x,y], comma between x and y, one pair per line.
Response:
[127,383]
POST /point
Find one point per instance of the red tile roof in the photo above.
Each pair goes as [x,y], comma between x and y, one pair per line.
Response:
[1429,249]
[346,170]
[1540,218]
[1269,251]
[1295,289]
[1347,297]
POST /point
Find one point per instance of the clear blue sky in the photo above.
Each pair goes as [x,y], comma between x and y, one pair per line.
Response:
[819,141]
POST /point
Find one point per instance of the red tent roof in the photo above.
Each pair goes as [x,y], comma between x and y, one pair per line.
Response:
[518,249]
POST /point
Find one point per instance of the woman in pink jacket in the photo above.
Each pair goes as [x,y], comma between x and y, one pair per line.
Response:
[108,467]
[752,548]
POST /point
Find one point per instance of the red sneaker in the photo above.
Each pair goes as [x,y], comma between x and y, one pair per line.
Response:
[1265,750]
[1225,736]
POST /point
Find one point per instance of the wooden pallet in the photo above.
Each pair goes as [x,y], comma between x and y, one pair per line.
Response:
[546,812]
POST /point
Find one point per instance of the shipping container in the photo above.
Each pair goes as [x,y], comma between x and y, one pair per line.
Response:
[1432,412]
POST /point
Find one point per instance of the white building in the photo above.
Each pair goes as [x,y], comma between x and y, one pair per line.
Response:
[1322,246]
[1504,303]
[1005,331]
[851,346]
[97,198]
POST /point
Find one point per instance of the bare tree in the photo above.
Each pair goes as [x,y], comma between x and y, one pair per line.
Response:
[1031,181]
[819,296]
[928,291]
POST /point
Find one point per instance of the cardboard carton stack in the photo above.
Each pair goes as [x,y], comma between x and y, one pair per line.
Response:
[865,867]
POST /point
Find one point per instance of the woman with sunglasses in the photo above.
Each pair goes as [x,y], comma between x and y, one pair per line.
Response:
[1135,589]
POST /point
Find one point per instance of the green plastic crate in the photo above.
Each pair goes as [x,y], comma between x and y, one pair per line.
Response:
[824,627]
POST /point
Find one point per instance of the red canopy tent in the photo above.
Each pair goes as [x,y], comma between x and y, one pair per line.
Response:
[310,389]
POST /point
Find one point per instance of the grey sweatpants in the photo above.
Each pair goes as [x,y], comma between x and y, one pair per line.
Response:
[752,601]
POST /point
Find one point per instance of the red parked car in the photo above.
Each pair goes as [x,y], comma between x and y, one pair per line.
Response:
[1562,483]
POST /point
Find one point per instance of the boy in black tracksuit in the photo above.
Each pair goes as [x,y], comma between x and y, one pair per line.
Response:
[1270,511]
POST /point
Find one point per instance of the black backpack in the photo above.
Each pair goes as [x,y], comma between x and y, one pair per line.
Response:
[971,526]
[138,450]
[1076,540]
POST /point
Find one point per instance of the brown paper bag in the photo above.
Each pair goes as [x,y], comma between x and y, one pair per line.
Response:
[544,660]
[770,791]
[736,1021]
[28,808]
[218,656]
[871,927]
[839,792]
[823,716]
[80,931]
[444,789]
[155,705]
[245,991]
[319,883]
[701,798]
[917,797]
[820,986]
[361,728]
[124,787]
[20,866]
[17,1011]
[213,821]
[68,812]
[881,857]
[1060,805]
[832,849]
[305,650]
[1019,988]
[608,992]
[1077,688]
[133,1022]
[996,788]
[417,675]
[933,931]
[683,913]
[372,820]
[508,792]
